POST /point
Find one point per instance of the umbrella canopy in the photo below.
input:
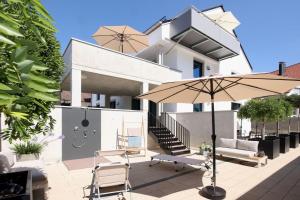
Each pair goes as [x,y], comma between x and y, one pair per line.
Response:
[226,19]
[224,88]
[121,38]
[220,88]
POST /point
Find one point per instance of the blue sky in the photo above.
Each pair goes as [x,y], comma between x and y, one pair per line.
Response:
[269,30]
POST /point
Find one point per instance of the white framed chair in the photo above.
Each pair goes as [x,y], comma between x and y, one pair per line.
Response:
[114,172]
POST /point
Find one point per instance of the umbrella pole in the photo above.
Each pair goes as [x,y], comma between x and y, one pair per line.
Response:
[212,191]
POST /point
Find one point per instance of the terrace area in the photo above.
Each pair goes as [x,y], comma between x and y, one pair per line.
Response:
[279,179]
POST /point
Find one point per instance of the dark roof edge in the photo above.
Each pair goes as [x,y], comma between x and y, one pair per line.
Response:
[243,50]
[211,8]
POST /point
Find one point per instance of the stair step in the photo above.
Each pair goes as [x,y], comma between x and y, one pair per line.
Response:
[172,143]
[177,147]
[180,152]
[167,139]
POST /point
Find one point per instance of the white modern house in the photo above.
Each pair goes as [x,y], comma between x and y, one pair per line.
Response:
[189,45]
[192,44]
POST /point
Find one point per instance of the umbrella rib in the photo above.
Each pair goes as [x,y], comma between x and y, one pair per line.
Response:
[164,89]
[131,46]
[176,93]
[200,91]
[110,29]
[229,85]
[124,29]
[137,41]
[274,79]
[252,86]
[108,42]
[218,85]
[196,89]
[225,91]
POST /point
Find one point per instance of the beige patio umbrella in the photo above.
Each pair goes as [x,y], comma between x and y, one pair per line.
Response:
[121,38]
[226,19]
[220,88]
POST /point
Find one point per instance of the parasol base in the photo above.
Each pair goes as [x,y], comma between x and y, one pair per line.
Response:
[212,192]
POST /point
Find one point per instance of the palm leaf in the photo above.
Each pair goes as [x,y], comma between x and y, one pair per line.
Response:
[8,30]
[43,96]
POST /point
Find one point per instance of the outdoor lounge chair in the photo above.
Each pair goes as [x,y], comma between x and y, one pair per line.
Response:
[110,174]
[240,149]
[180,160]
[115,172]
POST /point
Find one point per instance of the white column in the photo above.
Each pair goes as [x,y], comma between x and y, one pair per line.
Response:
[76,87]
[144,103]
[107,101]
[159,108]
[161,58]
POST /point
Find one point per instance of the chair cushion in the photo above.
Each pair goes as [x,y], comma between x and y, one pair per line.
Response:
[235,152]
[134,141]
[227,143]
[4,163]
[248,145]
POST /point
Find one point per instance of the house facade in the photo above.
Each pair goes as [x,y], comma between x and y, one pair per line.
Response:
[187,46]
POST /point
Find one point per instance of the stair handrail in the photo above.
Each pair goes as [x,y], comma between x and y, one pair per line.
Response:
[177,129]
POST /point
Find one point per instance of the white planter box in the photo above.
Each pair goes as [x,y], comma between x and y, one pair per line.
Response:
[27,157]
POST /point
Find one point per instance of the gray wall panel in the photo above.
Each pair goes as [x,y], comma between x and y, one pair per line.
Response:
[80,141]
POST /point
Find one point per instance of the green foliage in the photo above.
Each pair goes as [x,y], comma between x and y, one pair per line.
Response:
[27,148]
[294,99]
[30,68]
[266,110]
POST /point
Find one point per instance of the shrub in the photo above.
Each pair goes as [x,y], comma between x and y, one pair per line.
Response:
[27,148]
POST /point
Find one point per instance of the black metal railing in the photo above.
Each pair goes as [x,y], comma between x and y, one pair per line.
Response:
[176,129]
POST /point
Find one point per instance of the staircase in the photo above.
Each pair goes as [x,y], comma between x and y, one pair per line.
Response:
[172,137]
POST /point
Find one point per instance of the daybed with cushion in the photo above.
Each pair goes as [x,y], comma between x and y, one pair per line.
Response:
[241,149]
[39,177]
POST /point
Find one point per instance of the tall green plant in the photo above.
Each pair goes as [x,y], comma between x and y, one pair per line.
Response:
[27,92]
[294,99]
[265,110]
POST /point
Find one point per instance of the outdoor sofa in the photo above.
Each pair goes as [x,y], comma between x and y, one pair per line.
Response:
[39,177]
[240,149]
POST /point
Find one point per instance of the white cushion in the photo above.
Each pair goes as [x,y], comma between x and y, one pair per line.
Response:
[227,143]
[247,145]
[235,152]
[4,164]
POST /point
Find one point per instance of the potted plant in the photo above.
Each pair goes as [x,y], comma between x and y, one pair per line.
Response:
[294,139]
[205,149]
[27,150]
[266,110]
[287,110]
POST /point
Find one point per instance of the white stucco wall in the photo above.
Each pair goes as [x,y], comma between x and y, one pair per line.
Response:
[114,122]
[199,125]
[93,58]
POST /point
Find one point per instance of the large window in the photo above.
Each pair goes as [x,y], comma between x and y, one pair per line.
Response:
[197,72]
[198,69]
[235,106]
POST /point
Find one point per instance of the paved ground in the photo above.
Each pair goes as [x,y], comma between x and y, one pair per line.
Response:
[280,179]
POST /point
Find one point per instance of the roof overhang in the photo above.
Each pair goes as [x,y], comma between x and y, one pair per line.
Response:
[196,31]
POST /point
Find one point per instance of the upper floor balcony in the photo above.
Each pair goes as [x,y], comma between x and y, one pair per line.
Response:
[195,30]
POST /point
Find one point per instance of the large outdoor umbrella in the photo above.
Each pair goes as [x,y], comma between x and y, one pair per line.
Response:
[121,38]
[220,88]
[226,19]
